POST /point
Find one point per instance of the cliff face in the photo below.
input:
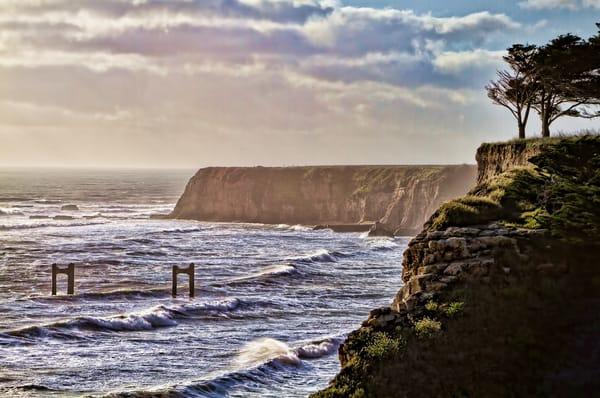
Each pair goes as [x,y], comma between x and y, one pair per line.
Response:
[501,288]
[401,197]
[493,159]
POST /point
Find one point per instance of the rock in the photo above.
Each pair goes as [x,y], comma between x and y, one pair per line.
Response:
[39,217]
[429,269]
[63,217]
[69,207]
[453,269]
[435,286]
[435,235]
[448,279]
[159,216]
[380,229]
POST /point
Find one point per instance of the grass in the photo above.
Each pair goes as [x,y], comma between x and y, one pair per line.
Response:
[427,328]
[454,308]
[559,191]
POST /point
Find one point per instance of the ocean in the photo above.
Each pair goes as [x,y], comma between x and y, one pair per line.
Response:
[272,305]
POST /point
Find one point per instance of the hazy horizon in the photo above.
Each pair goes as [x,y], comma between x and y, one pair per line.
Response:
[189,84]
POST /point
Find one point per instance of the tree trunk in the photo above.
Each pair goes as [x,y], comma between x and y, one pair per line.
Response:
[545,126]
[521,130]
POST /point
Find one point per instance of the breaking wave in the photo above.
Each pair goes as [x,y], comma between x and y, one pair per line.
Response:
[152,318]
[8,211]
[321,256]
[267,272]
[255,362]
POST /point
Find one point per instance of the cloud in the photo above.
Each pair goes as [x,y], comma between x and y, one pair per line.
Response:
[591,3]
[457,62]
[223,75]
[559,4]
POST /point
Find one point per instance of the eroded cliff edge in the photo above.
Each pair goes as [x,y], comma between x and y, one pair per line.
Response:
[400,197]
[501,293]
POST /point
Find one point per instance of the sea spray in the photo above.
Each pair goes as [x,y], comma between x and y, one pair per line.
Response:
[263,350]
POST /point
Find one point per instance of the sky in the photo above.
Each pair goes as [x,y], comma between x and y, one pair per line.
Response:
[194,83]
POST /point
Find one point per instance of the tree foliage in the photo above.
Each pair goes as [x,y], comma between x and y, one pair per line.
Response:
[561,78]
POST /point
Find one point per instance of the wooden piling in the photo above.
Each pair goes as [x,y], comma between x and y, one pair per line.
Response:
[189,271]
[70,272]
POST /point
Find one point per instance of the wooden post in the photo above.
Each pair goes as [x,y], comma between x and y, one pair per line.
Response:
[70,272]
[189,271]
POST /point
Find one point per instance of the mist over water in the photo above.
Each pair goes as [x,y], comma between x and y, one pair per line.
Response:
[273,302]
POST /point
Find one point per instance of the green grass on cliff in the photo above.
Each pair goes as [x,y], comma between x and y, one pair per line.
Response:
[560,192]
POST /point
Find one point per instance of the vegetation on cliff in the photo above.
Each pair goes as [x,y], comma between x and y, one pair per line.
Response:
[501,290]
[559,191]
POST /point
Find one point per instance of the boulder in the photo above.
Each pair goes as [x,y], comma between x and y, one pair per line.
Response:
[69,207]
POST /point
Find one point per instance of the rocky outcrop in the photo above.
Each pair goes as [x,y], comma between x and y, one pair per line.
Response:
[501,293]
[399,197]
[435,260]
[495,159]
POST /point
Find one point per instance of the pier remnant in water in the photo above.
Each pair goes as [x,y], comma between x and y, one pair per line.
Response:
[70,272]
[189,271]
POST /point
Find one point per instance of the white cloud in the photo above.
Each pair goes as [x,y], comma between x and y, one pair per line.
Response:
[457,62]
[591,3]
[223,74]
[559,4]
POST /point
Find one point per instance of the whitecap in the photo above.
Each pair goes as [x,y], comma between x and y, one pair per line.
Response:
[318,349]
[263,350]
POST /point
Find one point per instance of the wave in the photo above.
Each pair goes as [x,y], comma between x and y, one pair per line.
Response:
[296,227]
[156,317]
[265,350]
[176,231]
[8,211]
[14,199]
[266,272]
[8,227]
[271,351]
[48,201]
[382,244]
[256,362]
[321,256]
[105,295]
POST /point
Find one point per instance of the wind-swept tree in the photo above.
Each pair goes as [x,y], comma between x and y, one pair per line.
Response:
[567,80]
[561,78]
[515,89]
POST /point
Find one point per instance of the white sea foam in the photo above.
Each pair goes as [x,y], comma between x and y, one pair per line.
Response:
[147,319]
[158,316]
[8,211]
[321,255]
[318,349]
[264,350]
[382,243]
[269,270]
[299,227]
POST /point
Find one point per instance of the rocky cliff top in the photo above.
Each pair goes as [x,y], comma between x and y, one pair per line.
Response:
[501,288]
[401,198]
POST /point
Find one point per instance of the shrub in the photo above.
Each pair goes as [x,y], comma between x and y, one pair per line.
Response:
[431,306]
[427,327]
[454,308]
[381,345]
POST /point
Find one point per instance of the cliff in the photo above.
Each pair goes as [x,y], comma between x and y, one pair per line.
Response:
[501,292]
[400,197]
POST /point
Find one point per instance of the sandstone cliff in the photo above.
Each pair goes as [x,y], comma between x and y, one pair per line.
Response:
[501,291]
[400,197]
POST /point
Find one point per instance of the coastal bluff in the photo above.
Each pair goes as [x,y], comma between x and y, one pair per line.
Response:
[501,288]
[399,198]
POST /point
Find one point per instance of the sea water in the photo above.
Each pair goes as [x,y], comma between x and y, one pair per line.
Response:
[272,304]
